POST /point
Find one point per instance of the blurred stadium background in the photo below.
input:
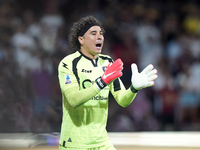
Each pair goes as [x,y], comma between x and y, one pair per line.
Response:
[33,39]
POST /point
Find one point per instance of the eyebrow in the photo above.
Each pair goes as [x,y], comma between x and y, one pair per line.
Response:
[94,31]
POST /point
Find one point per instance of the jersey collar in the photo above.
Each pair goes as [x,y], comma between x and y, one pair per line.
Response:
[94,62]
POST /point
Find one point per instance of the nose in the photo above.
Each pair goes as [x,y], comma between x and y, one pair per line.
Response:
[99,36]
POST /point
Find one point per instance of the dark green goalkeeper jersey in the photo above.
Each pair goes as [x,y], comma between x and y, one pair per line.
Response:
[85,108]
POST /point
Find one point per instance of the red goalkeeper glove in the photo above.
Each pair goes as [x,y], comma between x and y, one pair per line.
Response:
[113,71]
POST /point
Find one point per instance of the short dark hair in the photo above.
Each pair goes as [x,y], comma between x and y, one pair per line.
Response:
[78,27]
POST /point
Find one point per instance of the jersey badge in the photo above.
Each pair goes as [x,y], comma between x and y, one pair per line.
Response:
[67,79]
[104,68]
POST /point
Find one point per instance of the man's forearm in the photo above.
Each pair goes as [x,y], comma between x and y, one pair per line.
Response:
[125,98]
[78,97]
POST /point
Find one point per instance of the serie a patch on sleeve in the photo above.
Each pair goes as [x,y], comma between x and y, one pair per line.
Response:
[67,79]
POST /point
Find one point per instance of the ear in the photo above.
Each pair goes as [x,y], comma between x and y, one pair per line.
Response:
[81,40]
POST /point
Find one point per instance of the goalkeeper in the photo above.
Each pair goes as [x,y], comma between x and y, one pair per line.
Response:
[86,77]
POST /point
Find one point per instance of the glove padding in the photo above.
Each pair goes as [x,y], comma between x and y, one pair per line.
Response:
[112,72]
[145,78]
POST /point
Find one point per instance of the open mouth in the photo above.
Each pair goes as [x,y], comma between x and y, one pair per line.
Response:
[98,45]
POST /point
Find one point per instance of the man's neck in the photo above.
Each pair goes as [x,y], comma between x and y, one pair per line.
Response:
[93,57]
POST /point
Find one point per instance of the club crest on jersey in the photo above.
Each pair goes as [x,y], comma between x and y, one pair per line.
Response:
[67,79]
[104,68]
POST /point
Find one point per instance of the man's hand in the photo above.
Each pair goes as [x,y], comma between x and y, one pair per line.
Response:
[145,78]
[112,72]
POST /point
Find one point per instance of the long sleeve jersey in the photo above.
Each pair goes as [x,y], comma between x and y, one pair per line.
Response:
[85,108]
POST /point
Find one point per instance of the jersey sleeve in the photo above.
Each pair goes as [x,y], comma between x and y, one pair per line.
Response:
[66,77]
[70,87]
[123,96]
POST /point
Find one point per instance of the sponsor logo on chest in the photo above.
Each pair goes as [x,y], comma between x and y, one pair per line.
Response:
[86,71]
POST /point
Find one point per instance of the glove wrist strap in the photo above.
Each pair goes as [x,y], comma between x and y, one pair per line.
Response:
[100,83]
[133,89]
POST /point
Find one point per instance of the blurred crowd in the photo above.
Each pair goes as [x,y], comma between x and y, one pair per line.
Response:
[33,39]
